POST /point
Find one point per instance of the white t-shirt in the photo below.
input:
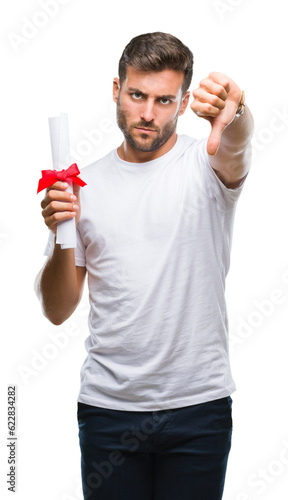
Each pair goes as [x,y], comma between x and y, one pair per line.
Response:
[155,238]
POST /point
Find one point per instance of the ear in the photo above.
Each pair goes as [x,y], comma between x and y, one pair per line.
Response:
[184,103]
[116,89]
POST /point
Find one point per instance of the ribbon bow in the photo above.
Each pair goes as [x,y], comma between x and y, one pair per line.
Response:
[65,175]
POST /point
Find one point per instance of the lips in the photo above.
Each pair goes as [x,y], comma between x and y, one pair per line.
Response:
[145,130]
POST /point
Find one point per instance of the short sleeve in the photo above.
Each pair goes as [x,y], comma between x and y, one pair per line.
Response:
[226,197]
[80,259]
[50,244]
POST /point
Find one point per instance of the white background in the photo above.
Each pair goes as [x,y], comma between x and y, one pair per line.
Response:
[65,61]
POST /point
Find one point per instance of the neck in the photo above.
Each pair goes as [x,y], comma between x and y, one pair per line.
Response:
[128,153]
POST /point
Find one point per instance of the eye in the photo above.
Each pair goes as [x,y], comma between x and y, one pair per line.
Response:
[165,100]
[136,95]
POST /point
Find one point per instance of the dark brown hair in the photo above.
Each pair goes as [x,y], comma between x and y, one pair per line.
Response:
[156,52]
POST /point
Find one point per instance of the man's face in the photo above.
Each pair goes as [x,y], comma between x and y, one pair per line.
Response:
[148,105]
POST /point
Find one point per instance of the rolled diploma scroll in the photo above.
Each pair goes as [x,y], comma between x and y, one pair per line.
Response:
[60,146]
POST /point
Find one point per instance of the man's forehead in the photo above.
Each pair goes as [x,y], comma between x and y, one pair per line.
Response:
[163,82]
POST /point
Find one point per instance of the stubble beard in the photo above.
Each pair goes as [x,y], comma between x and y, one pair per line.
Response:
[161,138]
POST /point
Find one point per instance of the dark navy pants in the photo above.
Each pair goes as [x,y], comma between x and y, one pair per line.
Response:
[178,454]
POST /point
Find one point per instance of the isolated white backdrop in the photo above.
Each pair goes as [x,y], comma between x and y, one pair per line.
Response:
[61,56]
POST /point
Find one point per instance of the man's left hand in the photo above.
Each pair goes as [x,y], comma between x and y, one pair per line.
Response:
[216,100]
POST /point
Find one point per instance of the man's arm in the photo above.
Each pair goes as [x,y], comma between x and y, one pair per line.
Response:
[229,144]
[59,284]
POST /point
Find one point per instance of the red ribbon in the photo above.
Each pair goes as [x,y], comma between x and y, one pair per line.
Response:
[66,175]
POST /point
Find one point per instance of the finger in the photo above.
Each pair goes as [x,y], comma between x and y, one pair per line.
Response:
[54,219]
[62,186]
[203,96]
[204,109]
[76,190]
[214,88]
[51,192]
[220,79]
[215,138]
[57,195]
[58,206]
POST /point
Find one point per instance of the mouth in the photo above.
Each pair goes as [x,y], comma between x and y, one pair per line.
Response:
[145,130]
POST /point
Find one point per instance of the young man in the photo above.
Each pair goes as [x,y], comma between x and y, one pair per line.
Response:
[154,236]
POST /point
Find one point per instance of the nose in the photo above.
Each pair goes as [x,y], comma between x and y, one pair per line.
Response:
[148,111]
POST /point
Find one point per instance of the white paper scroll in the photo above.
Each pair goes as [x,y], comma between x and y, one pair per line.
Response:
[60,145]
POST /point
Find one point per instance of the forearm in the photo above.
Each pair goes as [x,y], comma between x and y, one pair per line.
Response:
[233,158]
[236,137]
[229,144]
[57,285]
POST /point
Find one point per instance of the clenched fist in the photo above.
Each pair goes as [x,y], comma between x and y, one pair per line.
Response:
[217,100]
[59,205]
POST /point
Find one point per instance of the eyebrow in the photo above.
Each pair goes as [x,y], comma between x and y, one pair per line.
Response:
[164,96]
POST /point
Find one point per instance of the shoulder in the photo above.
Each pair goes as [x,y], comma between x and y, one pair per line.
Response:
[193,151]
[185,141]
[93,170]
[191,145]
